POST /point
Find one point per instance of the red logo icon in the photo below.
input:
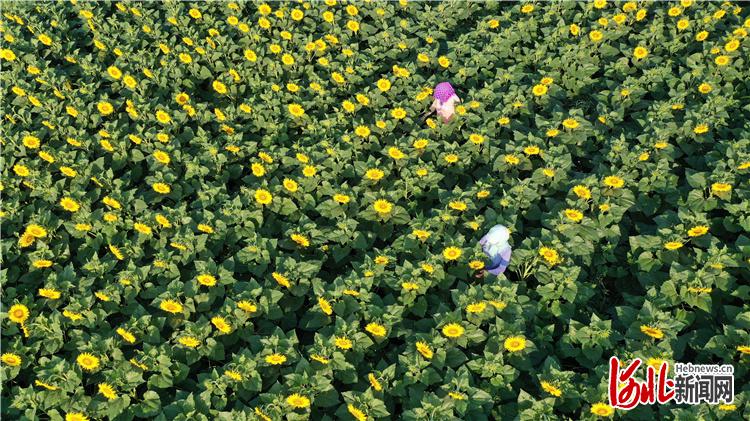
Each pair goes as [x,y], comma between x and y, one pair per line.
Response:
[626,393]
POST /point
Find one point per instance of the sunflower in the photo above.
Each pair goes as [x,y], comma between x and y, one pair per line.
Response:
[457,395]
[551,389]
[395,153]
[421,234]
[296,110]
[697,231]
[539,90]
[247,306]
[195,13]
[452,253]
[640,52]
[718,188]
[374,382]
[341,198]
[161,188]
[45,385]
[362,131]
[206,279]
[342,343]
[301,240]
[31,142]
[573,214]
[182,98]
[263,197]
[106,390]
[105,108]
[298,401]
[398,113]
[275,359]
[76,416]
[531,150]
[357,413]
[732,45]
[281,279]
[700,129]
[142,228]
[116,252]
[25,240]
[88,361]
[384,85]
[614,182]
[171,306]
[189,341]
[7,54]
[309,171]
[325,306]
[21,170]
[409,286]
[125,335]
[476,264]
[219,87]
[722,60]
[570,123]
[319,358]
[476,307]
[205,228]
[550,255]
[424,349]
[18,313]
[162,117]
[72,315]
[374,174]
[376,329]
[382,206]
[362,99]
[69,204]
[11,359]
[653,332]
[49,293]
[453,330]
[221,324]
[112,203]
[381,260]
[602,409]
[582,192]
[515,343]
[163,221]
[457,205]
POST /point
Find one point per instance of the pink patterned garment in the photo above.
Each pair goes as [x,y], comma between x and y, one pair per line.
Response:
[445,101]
[443,92]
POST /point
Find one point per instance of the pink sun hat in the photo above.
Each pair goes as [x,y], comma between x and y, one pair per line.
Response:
[443,92]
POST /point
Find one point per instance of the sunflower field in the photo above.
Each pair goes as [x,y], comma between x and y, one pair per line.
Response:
[239,211]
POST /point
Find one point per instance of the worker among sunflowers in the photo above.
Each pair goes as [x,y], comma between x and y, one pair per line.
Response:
[445,101]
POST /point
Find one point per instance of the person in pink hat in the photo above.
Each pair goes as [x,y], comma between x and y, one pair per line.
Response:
[445,101]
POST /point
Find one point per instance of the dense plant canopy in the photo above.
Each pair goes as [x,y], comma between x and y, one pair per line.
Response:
[235,211]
